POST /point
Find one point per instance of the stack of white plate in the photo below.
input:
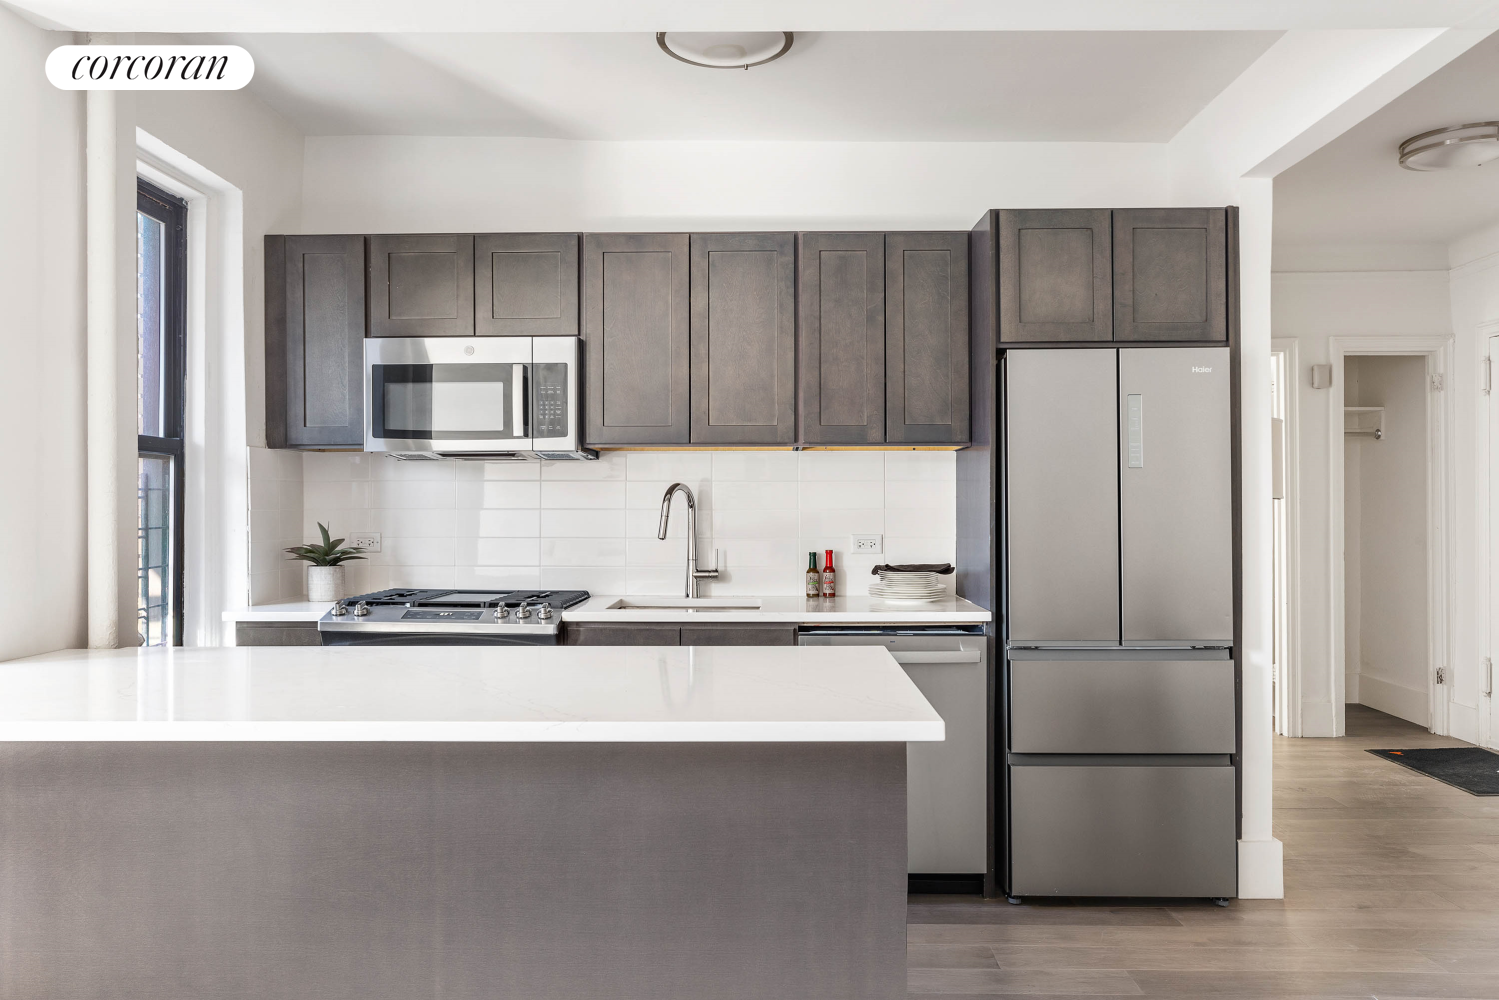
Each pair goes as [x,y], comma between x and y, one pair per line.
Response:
[897,586]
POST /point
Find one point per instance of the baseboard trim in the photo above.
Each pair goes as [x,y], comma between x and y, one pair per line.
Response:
[1262,869]
[1410,704]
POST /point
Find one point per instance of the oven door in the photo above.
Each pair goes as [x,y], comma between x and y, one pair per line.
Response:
[447,395]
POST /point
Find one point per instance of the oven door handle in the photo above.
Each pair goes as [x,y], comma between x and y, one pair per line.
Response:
[518,402]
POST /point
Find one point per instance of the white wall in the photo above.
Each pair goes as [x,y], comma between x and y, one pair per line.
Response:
[1385,494]
[372,184]
[1311,307]
[593,524]
[42,493]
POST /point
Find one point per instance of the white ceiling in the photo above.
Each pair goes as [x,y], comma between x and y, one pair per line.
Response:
[1353,190]
[721,15]
[852,86]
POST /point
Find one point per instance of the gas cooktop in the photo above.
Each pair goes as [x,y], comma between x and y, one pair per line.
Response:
[414,616]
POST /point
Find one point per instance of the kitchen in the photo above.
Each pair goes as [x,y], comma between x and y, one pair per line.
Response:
[611,395]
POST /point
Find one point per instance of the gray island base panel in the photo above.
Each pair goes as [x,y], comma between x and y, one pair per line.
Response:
[399,870]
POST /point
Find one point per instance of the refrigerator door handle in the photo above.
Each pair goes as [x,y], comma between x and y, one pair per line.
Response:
[1135,419]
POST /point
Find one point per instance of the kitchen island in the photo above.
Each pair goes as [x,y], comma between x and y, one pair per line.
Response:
[414,822]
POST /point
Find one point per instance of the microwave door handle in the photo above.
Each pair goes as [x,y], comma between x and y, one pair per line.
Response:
[518,401]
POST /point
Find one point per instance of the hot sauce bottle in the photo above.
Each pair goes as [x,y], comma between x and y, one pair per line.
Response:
[814,578]
[829,576]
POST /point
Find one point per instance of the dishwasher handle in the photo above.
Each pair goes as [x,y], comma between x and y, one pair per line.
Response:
[937,655]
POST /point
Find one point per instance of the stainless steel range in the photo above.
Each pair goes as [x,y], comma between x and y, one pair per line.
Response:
[449,618]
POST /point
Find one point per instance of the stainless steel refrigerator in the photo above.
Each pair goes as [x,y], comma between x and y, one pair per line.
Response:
[1119,582]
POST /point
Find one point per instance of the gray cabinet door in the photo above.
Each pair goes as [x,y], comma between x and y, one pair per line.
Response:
[1061,480]
[739,635]
[526,285]
[841,342]
[926,338]
[421,286]
[744,338]
[1176,495]
[1055,277]
[314,341]
[635,324]
[592,634]
[1170,274]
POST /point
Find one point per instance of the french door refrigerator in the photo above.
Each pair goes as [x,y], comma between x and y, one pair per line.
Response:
[1120,679]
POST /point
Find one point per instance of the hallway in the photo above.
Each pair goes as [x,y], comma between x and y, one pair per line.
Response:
[1392,891]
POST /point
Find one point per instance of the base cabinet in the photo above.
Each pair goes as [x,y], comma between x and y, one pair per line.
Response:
[665,634]
[277,634]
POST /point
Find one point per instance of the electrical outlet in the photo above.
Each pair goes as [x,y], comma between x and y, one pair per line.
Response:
[866,545]
[367,540]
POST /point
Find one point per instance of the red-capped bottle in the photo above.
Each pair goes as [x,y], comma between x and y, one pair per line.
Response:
[829,576]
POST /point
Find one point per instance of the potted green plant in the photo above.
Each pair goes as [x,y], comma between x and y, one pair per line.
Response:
[325,572]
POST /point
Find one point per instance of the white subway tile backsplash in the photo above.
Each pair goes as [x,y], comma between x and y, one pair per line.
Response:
[582,523]
[823,466]
[669,466]
[593,524]
[582,552]
[498,493]
[472,551]
[756,466]
[413,493]
[588,495]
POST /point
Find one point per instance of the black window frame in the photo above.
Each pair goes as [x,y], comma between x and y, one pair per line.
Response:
[171,211]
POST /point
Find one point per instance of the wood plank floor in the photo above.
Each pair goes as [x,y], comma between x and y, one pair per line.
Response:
[1392,891]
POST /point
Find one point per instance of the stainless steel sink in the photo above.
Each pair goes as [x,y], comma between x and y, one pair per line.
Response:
[685,604]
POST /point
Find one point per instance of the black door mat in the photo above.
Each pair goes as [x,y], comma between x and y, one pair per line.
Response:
[1473,769]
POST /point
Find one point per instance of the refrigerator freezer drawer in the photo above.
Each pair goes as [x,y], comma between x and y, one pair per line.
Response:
[1104,703]
[1122,831]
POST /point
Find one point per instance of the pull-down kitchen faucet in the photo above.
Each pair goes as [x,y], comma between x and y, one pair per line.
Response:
[693,573]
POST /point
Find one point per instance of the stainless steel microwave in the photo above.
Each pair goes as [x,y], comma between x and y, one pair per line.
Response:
[478,398]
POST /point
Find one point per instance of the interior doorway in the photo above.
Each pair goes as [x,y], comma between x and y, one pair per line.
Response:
[1386,489]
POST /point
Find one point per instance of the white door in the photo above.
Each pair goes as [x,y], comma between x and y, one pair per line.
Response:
[1488,715]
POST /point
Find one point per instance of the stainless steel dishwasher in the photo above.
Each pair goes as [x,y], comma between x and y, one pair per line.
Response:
[946,782]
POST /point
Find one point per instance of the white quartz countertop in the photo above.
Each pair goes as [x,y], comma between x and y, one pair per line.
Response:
[839,610]
[466,693]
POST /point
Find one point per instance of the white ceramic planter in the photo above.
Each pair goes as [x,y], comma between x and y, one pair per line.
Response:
[325,583]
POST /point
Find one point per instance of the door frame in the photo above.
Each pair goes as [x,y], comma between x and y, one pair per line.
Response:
[1441,514]
[1288,672]
[1488,535]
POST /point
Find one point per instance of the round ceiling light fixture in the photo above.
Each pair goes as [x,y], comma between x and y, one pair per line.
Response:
[725,49]
[1470,145]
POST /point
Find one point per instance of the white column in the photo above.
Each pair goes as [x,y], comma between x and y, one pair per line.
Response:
[1260,854]
[104,457]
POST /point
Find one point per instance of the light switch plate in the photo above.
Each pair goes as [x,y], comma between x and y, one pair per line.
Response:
[866,545]
[367,540]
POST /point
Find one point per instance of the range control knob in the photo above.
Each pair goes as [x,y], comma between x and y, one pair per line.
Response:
[522,612]
[501,613]
[544,613]
[361,609]
[340,609]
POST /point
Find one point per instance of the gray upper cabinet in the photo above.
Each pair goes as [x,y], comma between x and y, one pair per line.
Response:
[1055,276]
[421,286]
[841,307]
[526,285]
[635,315]
[1170,274]
[926,338]
[743,338]
[314,341]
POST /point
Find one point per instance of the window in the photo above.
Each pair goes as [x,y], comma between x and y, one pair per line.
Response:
[161,319]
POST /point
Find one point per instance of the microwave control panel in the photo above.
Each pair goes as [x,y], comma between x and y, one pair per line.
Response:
[549,400]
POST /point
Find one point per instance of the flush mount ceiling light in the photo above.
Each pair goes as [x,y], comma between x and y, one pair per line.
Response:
[1470,145]
[725,49]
